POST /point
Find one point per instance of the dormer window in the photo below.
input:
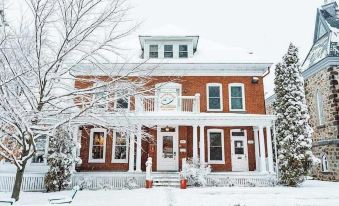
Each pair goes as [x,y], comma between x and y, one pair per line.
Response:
[183,51]
[168,51]
[153,51]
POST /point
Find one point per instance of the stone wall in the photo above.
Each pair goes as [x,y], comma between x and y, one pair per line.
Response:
[325,137]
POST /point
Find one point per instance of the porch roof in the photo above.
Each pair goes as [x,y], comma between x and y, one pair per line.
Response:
[187,119]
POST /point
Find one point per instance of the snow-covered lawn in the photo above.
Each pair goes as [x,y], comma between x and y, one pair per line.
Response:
[311,193]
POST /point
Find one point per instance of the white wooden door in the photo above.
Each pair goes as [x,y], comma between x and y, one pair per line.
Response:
[167,150]
[239,150]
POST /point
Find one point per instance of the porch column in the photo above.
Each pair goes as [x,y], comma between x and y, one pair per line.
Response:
[131,152]
[202,144]
[269,149]
[195,142]
[75,149]
[256,149]
[262,150]
[138,166]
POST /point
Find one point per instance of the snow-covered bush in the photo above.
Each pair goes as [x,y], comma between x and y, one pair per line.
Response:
[61,160]
[196,173]
[293,131]
[131,184]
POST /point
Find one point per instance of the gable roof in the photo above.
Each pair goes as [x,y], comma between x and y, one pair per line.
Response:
[325,41]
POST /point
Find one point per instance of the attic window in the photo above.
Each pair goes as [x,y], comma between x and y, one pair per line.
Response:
[153,51]
[168,51]
[183,51]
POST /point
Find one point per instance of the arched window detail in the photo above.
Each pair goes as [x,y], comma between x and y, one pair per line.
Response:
[324,163]
[320,108]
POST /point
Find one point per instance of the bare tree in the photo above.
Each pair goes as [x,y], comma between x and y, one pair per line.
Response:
[37,93]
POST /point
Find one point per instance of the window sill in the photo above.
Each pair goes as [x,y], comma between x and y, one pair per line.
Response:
[120,161]
[96,161]
[216,162]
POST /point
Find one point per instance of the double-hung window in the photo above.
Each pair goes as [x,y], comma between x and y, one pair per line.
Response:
[183,51]
[97,149]
[324,163]
[100,96]
[320,108]
[214,97]
[120,148]
[122,99]
[153,51]
[236,97]
[168,51]
[216,146]
[41,143]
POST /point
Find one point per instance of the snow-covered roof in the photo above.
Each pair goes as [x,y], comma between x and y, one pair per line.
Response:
[326,38]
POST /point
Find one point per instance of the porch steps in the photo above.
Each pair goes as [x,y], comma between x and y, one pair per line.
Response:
[166,179]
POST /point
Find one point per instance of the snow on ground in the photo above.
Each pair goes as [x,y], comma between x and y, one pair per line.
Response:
[311,193]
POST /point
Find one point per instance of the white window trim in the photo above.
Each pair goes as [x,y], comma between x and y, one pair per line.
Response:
[113,149]
[243,96]
[222,146]
[44,157]
[183,51]
[149,51]
[323,163]
[169,51]
[321,118]
[208,96]
[90,160]
[99,84]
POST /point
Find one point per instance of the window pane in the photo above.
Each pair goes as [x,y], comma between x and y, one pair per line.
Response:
[120,139]
[214,103]
[122,103]
[236,103]
[167,147]
[98,145]
[238,147]
[183,54]
[215,139]
[40,147]
[168,54]
[214,91]
[120,152]
[182,48]
[241,134]
[215,153]
[236,91]
[168,48]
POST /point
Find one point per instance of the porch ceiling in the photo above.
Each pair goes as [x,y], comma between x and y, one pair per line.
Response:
[188,119]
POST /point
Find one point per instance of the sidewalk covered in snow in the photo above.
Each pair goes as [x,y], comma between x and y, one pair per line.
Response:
[311,193]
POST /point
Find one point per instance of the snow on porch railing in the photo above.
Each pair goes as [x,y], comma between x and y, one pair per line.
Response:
[189,104]
[87,180]
[30,182]
[254,180]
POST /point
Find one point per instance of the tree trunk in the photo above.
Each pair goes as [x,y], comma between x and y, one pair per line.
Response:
[18,181]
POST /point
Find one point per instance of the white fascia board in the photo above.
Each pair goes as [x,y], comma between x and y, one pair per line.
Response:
[206,119]
[323,64]
[173,69]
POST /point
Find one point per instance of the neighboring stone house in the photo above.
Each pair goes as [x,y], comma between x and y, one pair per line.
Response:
[320,71]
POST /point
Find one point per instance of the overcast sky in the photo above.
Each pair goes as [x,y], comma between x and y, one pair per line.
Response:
[263,26]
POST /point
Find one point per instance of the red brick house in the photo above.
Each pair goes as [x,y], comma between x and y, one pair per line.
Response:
[207,102]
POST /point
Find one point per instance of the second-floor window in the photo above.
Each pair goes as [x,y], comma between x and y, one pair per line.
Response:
[236,97]
[153,51]
[122,99]
[168,51]
[214,97]
[183,51]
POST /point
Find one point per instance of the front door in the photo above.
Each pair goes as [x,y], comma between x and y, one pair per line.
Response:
[239,150]
[167,149]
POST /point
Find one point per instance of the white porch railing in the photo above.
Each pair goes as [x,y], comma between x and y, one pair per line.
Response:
[189,104]
[119,180]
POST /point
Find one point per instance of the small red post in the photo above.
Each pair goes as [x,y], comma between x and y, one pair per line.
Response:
[183,184]
[149,184]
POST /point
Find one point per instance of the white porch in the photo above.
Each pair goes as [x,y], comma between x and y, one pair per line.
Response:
[260,124]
